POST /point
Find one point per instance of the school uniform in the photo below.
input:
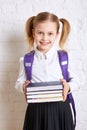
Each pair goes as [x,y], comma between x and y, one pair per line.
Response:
[47,115]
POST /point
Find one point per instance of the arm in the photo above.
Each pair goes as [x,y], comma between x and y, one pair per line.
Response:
[21,77]
[75,81]
[70,86]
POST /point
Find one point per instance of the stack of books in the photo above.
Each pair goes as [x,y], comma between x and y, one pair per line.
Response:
[44,92]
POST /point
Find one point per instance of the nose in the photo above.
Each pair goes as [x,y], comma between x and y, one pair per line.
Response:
[45,37]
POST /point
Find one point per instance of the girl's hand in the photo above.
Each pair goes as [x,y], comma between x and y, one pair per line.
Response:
[24,87]
[66,89]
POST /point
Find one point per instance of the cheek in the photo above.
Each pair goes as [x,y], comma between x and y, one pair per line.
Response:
[37,37]
[53,39]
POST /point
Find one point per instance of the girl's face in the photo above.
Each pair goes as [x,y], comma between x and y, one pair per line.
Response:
[45,34]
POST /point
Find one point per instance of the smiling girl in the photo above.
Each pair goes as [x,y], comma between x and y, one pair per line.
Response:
[43,30]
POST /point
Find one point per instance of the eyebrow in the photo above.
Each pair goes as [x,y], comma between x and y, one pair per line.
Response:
[43,32]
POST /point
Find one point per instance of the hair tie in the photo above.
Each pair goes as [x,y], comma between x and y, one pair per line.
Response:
[60,26]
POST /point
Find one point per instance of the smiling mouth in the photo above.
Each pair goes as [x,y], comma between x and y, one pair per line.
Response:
[44,43]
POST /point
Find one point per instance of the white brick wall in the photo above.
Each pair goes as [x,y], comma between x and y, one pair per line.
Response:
[13,14]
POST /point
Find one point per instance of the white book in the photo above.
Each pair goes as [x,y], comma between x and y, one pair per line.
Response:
[43,92]
[45,100]
[44,96]
[53,87]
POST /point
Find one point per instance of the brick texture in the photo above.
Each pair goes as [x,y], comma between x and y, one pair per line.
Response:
[13,14]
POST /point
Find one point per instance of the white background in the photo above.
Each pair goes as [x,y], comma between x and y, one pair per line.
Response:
[13,14]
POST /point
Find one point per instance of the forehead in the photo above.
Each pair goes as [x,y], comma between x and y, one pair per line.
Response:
[46,25]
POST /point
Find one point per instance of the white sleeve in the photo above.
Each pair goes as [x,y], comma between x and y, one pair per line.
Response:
[21,77]
[75,81]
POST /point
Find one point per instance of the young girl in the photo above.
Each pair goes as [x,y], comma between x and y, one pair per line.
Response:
[42,31]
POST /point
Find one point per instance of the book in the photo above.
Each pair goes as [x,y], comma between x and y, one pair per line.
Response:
[44,100]
[42,88]
[44,92]
[44,96]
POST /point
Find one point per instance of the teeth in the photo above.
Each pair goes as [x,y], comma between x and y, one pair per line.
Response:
[44,42]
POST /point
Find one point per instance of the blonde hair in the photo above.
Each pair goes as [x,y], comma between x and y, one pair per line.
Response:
[43,16]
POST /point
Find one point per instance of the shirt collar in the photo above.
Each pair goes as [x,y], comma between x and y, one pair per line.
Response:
[46,55]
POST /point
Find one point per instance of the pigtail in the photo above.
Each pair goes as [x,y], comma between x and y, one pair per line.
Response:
[65,32]
[29,34]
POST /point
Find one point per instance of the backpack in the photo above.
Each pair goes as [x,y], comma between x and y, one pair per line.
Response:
[63,60]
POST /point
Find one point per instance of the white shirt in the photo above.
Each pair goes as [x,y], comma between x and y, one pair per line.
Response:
[45,67]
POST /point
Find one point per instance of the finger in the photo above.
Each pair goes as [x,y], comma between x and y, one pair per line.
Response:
[24,91]
[65,92]
[63,81]
[25,84]
[25,97]
[64,96]
[24,88]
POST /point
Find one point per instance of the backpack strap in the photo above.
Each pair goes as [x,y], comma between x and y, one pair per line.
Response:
[71,101]
[28,61]
[63,60]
